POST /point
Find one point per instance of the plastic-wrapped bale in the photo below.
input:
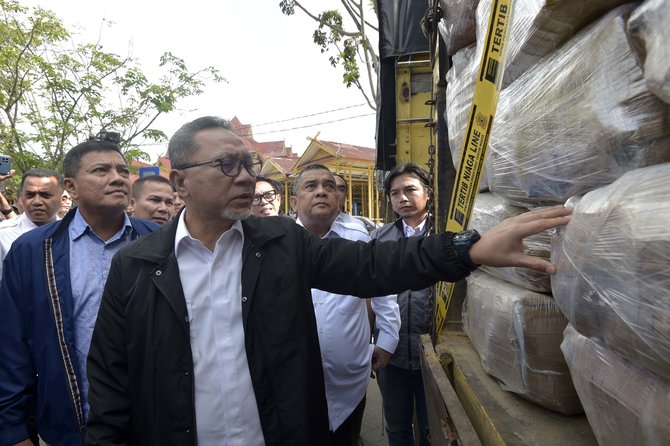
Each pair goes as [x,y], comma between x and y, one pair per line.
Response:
[491,209]
[648,26]
[518,334]
[625,404]
[577,120]
[540,26]
[458,25]
[460,90]
[612,280]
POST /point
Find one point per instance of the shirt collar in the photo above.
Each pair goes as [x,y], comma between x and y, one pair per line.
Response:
[79,226]
[332,232]
[409,231]
[183,235]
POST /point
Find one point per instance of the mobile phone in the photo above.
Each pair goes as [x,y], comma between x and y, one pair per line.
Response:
[5,164]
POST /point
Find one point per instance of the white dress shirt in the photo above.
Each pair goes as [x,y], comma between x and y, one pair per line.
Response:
[344,336]
[225,404]
[410,231]
[10,230]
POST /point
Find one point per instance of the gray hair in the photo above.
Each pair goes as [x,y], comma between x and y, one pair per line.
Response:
[183,144]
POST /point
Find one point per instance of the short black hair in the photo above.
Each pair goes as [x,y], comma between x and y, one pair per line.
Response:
[42,173]
[72,161]
[274,184]
[298,179]
[404,169]
[138,185]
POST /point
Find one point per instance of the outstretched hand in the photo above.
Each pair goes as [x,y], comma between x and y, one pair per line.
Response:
[503,245]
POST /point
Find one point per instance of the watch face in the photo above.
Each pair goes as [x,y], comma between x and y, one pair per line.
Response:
[466,236]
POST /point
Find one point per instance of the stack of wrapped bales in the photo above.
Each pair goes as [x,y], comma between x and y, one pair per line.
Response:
[518,334]
[578,119]
[613,285]
[585,104]
[626,404]
[515,327]
[537,28]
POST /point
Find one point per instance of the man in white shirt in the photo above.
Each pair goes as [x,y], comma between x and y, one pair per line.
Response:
[342,321]
[40,193]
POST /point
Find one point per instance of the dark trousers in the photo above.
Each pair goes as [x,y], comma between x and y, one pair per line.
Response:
[349,431]
[402,391]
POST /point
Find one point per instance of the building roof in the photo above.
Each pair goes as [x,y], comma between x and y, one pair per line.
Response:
[336,155]
[242,130]
[351,151]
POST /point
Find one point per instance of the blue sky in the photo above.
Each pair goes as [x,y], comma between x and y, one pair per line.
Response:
[274,71]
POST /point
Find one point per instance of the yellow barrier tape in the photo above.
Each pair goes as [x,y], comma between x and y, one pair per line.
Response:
[473,153]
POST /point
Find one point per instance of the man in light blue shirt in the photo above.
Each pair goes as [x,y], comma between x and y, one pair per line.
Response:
[342,321]
[51,289]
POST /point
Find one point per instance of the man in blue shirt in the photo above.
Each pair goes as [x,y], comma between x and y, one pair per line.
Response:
[53,279]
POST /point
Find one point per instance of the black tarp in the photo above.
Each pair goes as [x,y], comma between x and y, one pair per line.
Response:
[399,35]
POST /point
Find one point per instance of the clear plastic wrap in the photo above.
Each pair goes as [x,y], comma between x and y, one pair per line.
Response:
[458,25]
[577,120]
[491,209]
[612,279]
[625,404]
[540,26]
[460,90]
[518,334]
[649,26]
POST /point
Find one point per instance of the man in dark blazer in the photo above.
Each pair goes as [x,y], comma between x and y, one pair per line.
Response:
[206,332]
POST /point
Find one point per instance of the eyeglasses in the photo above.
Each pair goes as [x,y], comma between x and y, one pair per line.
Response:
[231,165]
[268,196]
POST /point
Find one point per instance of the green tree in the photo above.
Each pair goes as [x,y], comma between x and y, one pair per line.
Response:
[54,92]
[349,43]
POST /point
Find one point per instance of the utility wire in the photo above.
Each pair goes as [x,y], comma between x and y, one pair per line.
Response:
[307,116]
[284,130]
[314,125]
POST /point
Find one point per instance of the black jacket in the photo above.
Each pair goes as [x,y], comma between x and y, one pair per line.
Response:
[140,366]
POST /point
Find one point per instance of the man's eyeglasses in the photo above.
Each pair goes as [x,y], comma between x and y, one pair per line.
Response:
[268,196]
[231,165]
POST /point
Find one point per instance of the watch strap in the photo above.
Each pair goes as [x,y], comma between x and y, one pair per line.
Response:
[462,242]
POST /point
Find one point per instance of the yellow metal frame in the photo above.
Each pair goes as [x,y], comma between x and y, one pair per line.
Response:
[413,112]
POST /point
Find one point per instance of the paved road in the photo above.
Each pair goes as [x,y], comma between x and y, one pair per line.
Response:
[372,431]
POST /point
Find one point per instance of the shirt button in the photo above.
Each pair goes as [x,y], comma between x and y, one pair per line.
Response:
[159,272]
[258,254]
[186,318]
[320,301]
[244,298]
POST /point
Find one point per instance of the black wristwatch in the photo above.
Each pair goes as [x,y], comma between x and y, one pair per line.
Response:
[462,242]
[6,211]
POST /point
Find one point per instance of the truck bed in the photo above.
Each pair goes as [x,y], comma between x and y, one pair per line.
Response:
[495,416]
